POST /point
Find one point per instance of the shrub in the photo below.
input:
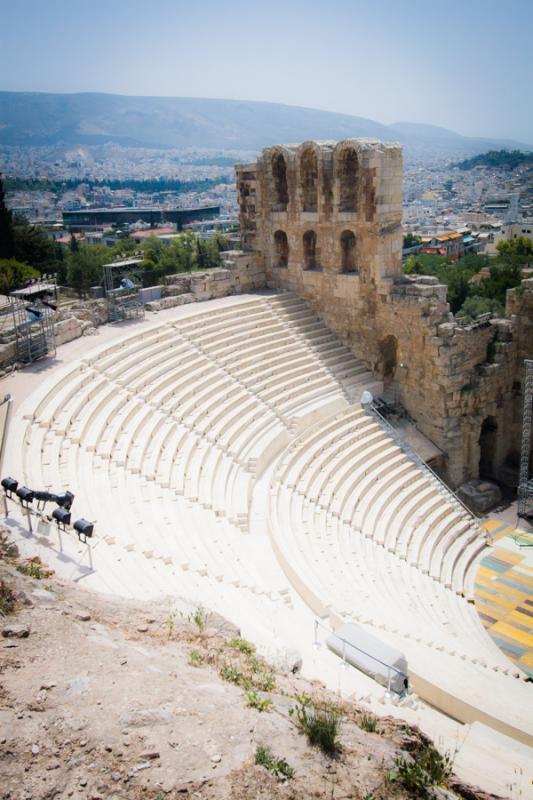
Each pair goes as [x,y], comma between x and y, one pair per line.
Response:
[232,675]
[196,658]
[368,722]
[34,568]
[7,599]
[254,701]
[242,646]
[320,723]
[277,766]
[199,618]
[264,681]
[8,551]
[421,773]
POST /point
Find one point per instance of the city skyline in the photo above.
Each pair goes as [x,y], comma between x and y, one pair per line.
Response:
[463,68]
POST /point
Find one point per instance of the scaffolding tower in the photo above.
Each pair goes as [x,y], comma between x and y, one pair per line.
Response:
[33,311]
[122,285]
[525,485]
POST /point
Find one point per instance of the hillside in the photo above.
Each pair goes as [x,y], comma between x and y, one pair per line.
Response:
[497,159]
[102,698]
[35,119]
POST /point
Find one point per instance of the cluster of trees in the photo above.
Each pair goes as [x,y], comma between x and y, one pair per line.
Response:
[470,298]
[148,185]
[26,252]
[500,159]
[82,264]
[410,240]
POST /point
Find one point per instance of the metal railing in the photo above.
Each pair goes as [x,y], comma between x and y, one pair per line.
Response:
[418,460]
[389,667]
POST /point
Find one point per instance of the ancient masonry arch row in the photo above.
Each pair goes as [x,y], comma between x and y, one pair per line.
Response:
[324,219]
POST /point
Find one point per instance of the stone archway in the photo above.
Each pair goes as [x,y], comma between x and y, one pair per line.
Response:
[309,245]
[279,176]
[348,252]
[348,177]
[388,359]
[281,249]
[487,447]
[309,180]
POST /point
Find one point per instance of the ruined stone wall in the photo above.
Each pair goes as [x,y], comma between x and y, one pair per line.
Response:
[324,220]
[239,273]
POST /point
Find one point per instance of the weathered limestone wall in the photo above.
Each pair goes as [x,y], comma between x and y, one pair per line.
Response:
[316,198]
[239,274]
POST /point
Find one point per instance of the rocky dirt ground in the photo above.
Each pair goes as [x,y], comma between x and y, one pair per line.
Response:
[106,700]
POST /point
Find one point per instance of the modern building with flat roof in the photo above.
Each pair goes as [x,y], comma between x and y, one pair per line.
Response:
[92,217]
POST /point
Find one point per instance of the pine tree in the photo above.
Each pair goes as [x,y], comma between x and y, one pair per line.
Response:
[73,244]
[7,239]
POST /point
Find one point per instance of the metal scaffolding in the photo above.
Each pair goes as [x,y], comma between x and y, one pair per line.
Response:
[33,311]
[525,484]
[122,284]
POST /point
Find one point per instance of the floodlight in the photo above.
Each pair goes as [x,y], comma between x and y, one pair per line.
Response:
[61,516]
[9,486]
[65,500]
[84,529]
[25,495]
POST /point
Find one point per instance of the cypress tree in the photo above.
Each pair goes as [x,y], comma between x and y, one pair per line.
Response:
[7,239]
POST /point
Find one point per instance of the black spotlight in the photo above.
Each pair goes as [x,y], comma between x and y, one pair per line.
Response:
[84,529]
[61,516]
[65,500]
[9,486]
[25,495]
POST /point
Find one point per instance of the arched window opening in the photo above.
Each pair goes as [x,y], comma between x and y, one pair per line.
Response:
[309,241]
[388,359]
[281,249]
[348,176]
[309,180]
[348,252]
[279,175]
[487,447]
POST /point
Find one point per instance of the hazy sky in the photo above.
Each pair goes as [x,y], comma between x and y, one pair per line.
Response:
[462,64]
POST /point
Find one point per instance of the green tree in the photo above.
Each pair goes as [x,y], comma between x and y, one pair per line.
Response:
[502,277]
[410,240]
[213,258]
[7,242]
[73,244]
[185,250]
[476,305]
[201,255]
[15,274]
[85,267]
[517,251]
[32,245]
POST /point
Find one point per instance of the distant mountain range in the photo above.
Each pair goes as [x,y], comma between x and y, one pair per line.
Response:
[33,119]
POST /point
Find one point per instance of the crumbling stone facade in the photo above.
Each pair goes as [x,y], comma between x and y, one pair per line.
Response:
[323,219]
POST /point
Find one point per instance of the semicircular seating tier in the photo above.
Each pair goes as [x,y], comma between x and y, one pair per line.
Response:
[168,435]
[162,434]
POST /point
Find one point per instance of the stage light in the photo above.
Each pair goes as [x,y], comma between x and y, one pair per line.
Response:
[9,486]
[25,495]
[84,529]
[61,516]
[65,500]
